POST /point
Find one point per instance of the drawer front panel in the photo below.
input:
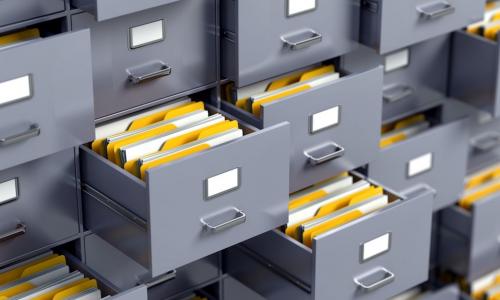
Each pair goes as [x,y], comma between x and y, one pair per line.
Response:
[47,100]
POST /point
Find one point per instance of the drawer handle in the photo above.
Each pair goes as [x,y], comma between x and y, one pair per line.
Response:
[324,153]
[224,220]
[33,131]
[397,92]
[149,72]
[19,230]
[486,142]
[302,40]
[435,10]
[375,279]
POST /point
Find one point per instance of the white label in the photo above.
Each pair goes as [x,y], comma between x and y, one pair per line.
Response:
[420,164]
[376,246]
[397,60]
[146,34]
[222,183]
[325,119]
[15,89]
[299,6]
[8,191]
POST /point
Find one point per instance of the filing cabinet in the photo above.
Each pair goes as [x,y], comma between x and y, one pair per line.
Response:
[204,221]
[150,55]
[436,157]
[105,9]
[474,71]
[261,39]
[344,262]
[12,11]
[323,146]
[388,25]
[39,207]
[450,292]
[46,97]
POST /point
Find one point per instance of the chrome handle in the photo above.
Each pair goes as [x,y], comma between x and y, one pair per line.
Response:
[435,10]
[397,92]
[324,153]
[33,131]
[223,220]
[375,279]
[148,72]
[486,142]
[302,40]
[19,230]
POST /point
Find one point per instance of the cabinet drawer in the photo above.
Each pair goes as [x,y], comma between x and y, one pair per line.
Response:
[436,157]
[105,9]
[151,55]
[319,152]
[13,11]
[177,200]
[474,71]
[46,97]
[262,39]
[45,185]
[469,239]
[351,261]
[388,25]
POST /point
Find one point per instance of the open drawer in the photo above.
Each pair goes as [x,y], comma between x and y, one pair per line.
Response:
[204,202]
[470,237]
[334,126]
[359,260]
[436,156]
[475,67]
[46,98]
[262,39]
[388,25]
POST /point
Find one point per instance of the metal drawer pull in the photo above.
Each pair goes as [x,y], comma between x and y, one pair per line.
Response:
[302,40]
[33,131]
[324,153]
[224,220]
[486,142]
[19,230]
[148,72]
[375,279]
[397,92]
[435,10]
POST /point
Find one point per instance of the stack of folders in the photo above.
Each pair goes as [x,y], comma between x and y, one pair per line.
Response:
[46,277]
[251,98]
[20,37]
[163,135]
[328,205]
[490,25]
[486,287]
[403,129]
[480,185]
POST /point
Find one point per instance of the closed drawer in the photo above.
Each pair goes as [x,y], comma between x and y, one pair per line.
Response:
[187,202]
[151,55]
[47,102]
[388,25]
[469,238]
[474,78]
[105,9]
[38,205]
[359,260]
[262,39]
[334,126]
[13,11]
[436,157]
